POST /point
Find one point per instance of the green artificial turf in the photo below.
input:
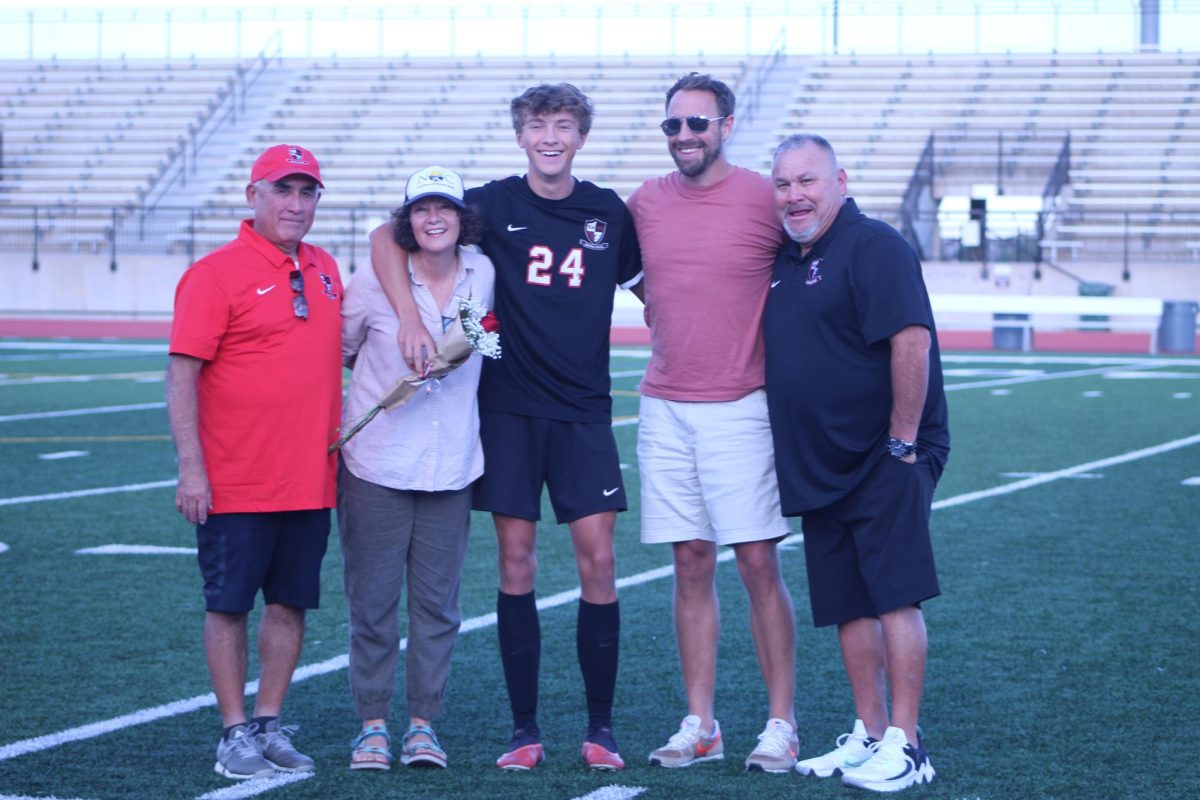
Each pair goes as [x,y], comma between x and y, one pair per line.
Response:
[1063,650]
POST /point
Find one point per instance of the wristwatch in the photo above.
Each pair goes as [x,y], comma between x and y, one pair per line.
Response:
[898,448]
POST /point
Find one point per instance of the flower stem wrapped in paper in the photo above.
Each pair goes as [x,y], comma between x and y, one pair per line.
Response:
[474,330]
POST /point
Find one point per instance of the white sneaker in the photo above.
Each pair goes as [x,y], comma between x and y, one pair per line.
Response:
[776,750]
[896,765]
[852,750]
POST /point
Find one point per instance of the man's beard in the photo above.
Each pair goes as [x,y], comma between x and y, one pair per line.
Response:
[693,168]
[805,235]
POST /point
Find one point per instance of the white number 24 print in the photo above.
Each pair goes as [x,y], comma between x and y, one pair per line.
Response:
[541,263]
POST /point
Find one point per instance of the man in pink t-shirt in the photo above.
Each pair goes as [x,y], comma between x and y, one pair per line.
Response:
[709,237]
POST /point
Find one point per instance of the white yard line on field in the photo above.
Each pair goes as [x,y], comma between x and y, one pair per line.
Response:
[965,358]
[1080,476]
[1054,376]
[614,792]
[62,454]
[250,788]
[1142,375]
[67,346]
[135,550]
[92,730]
[129,487]
[80,412]
[38,380]
[1069,472]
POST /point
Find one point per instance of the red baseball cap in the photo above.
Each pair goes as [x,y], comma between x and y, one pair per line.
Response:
[282,160]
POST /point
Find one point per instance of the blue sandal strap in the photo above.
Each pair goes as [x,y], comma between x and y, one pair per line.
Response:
[369,731]
[414,730]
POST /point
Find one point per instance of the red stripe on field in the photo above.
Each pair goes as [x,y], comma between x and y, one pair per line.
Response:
[86,328]
[628,336]
[1057,341]
[1043,341]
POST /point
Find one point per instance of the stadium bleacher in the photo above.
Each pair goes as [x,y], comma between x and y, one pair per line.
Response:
[86,142]
[1135,152]
[98,132]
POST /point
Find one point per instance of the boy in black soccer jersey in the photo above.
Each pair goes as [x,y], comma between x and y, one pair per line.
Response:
[559,245]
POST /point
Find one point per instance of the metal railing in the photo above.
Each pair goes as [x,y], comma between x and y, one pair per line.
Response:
[1133,240]
[751,93]
[920,187]
[226,108]
[318,30]
[184,231]
[1060,175]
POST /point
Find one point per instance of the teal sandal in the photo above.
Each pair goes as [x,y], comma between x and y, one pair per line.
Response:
[369,756]
[422,754]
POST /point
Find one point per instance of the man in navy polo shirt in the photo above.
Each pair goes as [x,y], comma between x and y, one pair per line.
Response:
[858,414]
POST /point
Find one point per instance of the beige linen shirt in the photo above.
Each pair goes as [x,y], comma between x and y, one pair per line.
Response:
[431,443]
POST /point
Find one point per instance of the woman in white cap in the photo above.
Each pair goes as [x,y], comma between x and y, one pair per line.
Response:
[404,485]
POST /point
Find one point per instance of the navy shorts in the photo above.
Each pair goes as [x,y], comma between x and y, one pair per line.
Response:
[279,552]
[577,461]
[869,552]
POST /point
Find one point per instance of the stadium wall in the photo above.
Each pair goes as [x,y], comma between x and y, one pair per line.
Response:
[143,285]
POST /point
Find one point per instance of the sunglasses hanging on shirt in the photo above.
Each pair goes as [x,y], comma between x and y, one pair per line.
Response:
[299,304]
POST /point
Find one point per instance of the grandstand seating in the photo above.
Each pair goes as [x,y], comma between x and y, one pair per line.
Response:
[1001,120]
[375,122]
[78,134]
[98,132]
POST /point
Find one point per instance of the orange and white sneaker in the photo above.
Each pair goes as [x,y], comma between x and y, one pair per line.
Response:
[600,750]
[690,745]
[522,758]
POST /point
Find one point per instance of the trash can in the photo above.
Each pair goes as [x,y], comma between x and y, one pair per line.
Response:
[1009,337]
[1094,289]
[1177,329]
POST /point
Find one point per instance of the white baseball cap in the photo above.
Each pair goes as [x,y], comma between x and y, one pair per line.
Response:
[434,182]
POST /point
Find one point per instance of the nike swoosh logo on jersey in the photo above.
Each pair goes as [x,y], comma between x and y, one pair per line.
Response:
[513,228]
[775,283]
[612,491]
[264,291]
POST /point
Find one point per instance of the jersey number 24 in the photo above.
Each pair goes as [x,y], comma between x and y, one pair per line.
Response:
[541,265]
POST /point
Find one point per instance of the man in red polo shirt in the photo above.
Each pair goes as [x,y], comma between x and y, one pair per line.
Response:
[254,399]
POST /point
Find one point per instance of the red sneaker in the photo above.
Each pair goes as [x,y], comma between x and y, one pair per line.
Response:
[522,758]
[597,756]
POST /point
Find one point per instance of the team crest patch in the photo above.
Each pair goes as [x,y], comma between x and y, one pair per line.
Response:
[327,286]
[593,234]
[814,273]
[296,156]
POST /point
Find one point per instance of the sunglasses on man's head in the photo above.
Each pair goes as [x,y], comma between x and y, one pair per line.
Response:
[299,304]
[671,126]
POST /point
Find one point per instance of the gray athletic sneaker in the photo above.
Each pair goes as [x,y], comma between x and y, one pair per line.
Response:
[238,756]
[275,744]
